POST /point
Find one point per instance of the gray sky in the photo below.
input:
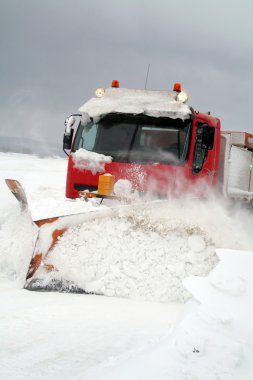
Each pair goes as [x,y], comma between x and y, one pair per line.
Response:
[55,53]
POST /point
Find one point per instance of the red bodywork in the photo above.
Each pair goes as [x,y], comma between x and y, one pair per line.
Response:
[160,178]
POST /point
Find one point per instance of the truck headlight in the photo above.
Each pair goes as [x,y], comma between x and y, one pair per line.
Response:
[99,92]
[182,97]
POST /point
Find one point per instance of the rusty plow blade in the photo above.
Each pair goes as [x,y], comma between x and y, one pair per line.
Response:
[41,252]
[42,274]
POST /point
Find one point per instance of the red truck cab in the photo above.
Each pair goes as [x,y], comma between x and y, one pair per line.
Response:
[162,152]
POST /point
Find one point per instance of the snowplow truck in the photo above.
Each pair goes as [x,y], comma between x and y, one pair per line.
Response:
[150,141]
[157,142]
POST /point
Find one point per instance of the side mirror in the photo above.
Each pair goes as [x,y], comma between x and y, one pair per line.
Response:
[69,131]
[67,139]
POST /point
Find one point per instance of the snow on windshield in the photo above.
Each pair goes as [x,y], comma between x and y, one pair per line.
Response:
[86,160]
[151,103]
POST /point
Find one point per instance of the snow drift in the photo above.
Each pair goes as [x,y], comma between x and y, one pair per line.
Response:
[142,251]
[51,335]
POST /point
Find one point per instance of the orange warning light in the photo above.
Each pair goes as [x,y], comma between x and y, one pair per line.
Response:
[177,87]
[115,83]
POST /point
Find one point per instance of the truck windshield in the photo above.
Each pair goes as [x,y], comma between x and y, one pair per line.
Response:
[136,138]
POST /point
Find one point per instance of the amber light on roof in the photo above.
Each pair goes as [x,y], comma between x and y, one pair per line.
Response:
[177,87]
[115,83]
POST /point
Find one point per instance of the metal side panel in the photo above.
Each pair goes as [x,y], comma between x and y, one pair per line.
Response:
[238,138]
[240,173]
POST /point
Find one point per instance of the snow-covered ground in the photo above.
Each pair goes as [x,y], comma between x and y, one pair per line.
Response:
[75,336]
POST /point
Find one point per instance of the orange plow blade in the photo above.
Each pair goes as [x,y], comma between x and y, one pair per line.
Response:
[42,274]
[39,256]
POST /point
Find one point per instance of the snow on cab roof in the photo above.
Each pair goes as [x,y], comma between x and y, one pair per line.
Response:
[151,103]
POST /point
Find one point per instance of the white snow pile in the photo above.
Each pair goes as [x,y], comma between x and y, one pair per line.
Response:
[86,160]
[141,251]
[45,202]
[17,240]
[122,338]
[214,342]
[145,252]
[133,256]
[122,100]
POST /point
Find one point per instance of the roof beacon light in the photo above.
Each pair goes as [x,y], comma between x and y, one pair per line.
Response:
[99,92]
[115,83]
[177,87]
[182,97]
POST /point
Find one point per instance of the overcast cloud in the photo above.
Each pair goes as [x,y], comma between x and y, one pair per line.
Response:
[55,53]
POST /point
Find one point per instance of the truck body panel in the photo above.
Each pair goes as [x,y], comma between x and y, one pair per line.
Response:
[236,165]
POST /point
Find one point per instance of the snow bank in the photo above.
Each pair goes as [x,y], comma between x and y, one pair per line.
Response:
[122,100]
[17,240]
[133,256]
[143,253]
[49,336]
[53,203]
[44,182]
[123,339]
[214,342]
[146,250]
[86,160]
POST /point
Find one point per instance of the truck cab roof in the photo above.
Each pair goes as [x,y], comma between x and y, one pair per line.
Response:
[132,101]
